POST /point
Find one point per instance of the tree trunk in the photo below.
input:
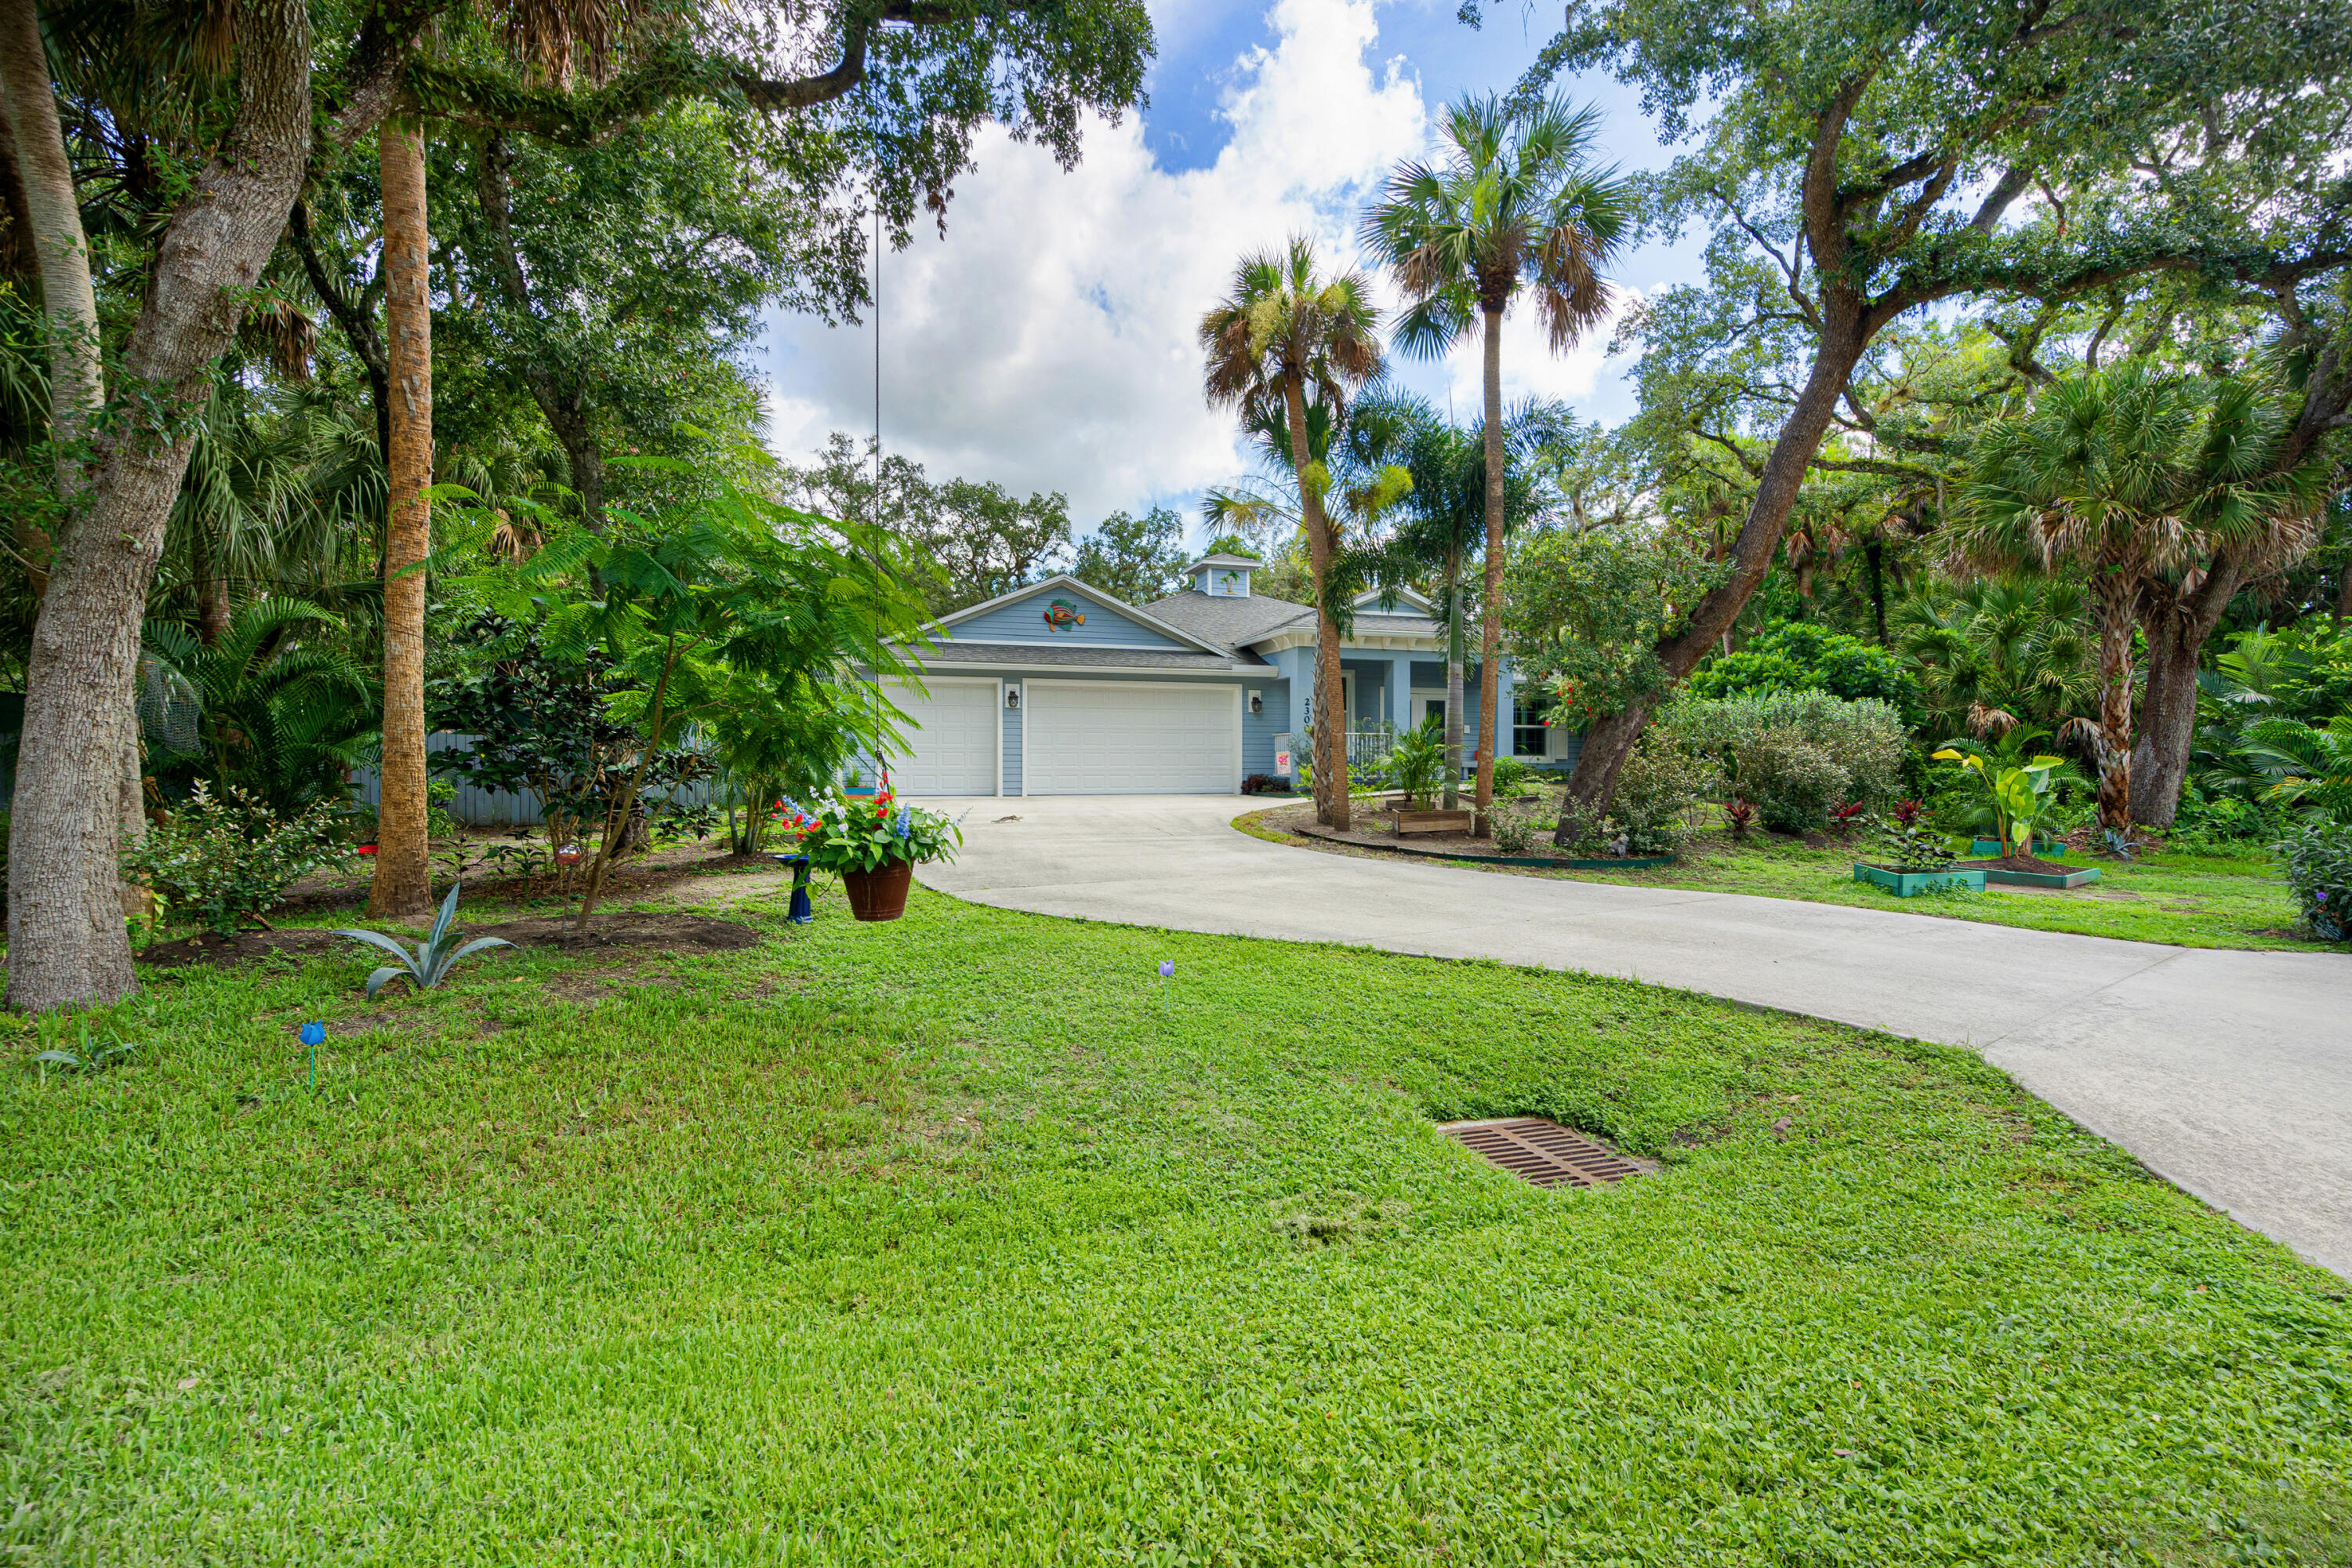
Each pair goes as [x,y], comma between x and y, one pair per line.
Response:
[66,944]
[211,589]
[2176,626]
[131,808]
[617,818]
[357,321]
[1490,630]
[1331,804]
[1872,553]
[2168,724]
[2114,592]
[1454,663]
[402,884]
[1845,335]
[69,305]
[561,403]
[18,264]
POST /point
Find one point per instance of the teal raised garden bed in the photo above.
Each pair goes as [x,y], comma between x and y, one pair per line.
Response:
[1910,884]
[1984,846]
[2076,878]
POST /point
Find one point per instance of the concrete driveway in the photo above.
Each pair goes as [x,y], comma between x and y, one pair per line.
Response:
[2229,1073]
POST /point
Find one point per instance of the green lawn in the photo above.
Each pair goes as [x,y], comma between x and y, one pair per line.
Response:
[2188,901]
[964,1240]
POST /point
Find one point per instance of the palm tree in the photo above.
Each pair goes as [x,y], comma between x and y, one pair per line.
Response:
[2125,475]
[2259,508]
[403,882]
[1516,204]
[1998,652]
[1441,520]
[271,705]
[1285,334]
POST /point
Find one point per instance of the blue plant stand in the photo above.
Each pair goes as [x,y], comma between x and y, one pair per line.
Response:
[802,912]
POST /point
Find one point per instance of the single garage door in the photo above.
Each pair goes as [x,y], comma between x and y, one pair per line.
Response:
[949,744]
[1109,737]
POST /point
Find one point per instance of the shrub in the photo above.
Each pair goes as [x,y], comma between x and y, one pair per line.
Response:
[227,860]
[1797,754]
[1800,655]
[1579,832]
[2221,818]
[1792,781]
[1513,778]
[1515,832]
[2318,862]
[1658,786]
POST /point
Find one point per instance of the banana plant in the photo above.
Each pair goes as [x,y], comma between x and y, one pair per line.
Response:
[2019,793]
[434,957]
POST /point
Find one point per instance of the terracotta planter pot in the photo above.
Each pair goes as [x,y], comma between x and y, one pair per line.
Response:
[879,895]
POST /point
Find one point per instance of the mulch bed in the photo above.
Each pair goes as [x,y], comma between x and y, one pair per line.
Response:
[2020,863]
[1376,830]
[621,930]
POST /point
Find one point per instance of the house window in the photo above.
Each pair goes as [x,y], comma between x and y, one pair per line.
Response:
[1527,733]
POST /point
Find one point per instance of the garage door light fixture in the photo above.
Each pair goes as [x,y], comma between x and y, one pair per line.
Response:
[1012,697]
[1257,702]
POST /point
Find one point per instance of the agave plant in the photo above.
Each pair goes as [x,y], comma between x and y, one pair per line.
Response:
[437,954]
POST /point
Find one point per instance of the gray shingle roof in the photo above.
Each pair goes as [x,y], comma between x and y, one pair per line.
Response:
[1371,623]
[1233,622]
[1079,655]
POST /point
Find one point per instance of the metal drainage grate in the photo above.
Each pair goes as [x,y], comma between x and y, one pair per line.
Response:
[1544,1152]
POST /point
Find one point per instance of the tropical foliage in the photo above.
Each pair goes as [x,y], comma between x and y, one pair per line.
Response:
[2013,796]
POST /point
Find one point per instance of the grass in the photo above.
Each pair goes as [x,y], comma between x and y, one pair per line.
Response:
[966,1240]
[2183,899]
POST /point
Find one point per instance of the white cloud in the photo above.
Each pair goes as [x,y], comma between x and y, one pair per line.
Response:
[1047,344]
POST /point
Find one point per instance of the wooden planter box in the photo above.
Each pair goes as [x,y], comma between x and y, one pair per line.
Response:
[1984,848]
[1907,884]
[1432,822]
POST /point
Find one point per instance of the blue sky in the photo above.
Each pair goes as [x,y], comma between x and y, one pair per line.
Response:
[1047,343]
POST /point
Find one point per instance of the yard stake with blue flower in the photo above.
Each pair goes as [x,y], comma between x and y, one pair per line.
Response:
[314,1035]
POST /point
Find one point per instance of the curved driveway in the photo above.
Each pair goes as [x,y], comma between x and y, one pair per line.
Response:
[2229,1073]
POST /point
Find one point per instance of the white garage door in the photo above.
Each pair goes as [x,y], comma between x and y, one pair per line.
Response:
[949,745]
[1105,737]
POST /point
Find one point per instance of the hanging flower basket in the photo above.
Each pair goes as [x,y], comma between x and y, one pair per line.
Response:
[876,845]
[879,895]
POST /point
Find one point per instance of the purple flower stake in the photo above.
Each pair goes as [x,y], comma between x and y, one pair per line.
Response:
[313,1035]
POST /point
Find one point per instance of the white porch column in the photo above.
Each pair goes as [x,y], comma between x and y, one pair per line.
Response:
[1506,706]
[1400,692]
[1297,665]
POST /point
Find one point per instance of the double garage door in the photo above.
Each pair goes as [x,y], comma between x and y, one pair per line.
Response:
[1074,737]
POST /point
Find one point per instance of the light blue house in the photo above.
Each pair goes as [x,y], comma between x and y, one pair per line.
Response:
[1060,689]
